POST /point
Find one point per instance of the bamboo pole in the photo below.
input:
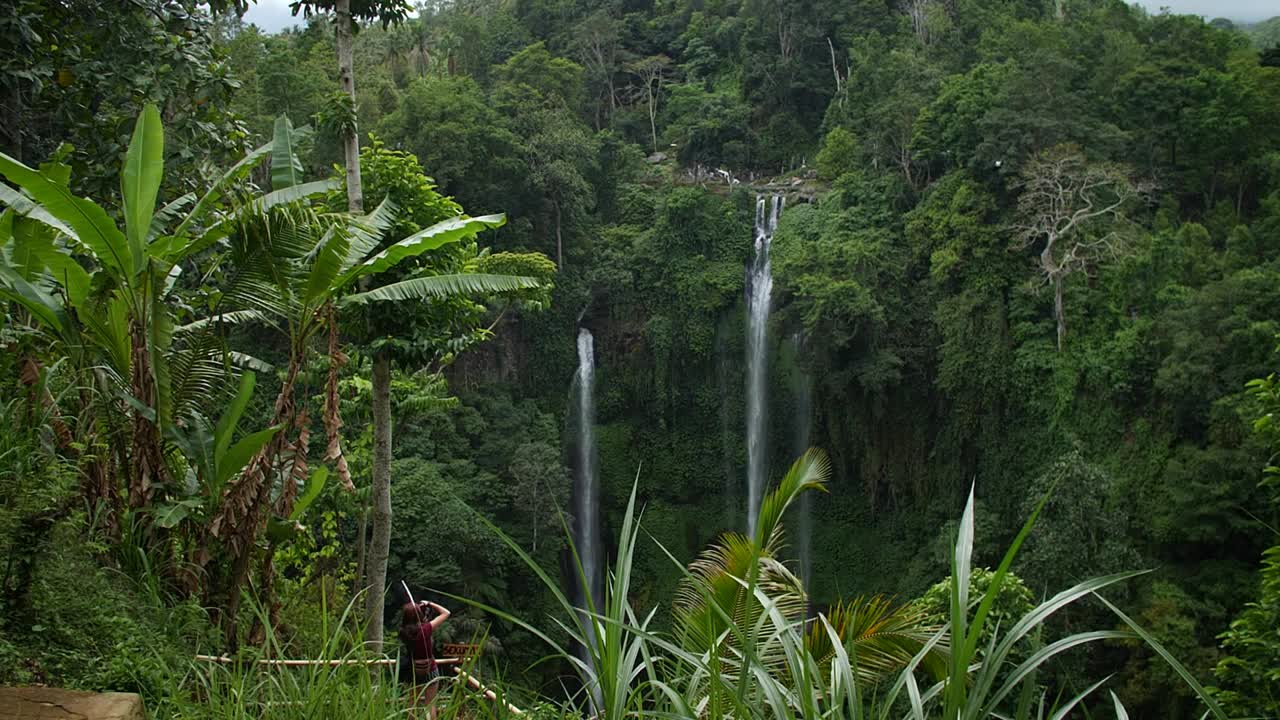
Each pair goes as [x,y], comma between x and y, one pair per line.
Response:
[327,663]
[477,685]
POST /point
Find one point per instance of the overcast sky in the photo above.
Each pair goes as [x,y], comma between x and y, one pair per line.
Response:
[273,15]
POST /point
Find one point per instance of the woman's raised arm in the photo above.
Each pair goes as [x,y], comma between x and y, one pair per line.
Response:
[442,614]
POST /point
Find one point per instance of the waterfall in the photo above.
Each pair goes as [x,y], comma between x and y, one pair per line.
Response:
[586,500]
[759,292]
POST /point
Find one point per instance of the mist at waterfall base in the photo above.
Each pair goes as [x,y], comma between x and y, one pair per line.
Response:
[759,299]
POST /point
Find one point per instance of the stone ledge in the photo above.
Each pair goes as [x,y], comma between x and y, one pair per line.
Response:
[40,703]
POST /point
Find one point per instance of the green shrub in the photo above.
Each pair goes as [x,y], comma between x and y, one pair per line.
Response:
[1014,601]
[839,154]
[1249,677]
[88,627]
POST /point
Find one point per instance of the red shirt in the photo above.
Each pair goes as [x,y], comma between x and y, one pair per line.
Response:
[417,640]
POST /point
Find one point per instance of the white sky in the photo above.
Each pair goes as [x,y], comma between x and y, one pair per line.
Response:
[273,15]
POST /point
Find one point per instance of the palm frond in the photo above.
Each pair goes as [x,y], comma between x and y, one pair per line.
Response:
[882,637]
[443,286]
[810,472]
[438,235]
[254,291]
[167,213]
[235,317]
[235,173]
[367,232]
[293,194]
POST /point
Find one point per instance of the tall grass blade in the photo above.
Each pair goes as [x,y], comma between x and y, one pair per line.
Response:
[1178,667]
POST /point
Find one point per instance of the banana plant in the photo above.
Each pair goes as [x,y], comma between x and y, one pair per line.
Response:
[213,458]
[104,290]
[296,268]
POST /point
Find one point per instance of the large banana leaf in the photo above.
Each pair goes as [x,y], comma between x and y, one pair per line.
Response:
[24,206]
[286,166]
[89,224]
[436,236]
[36,300]
[35,251]
[140,181]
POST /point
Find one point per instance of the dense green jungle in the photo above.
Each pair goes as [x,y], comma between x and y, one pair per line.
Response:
[458,300]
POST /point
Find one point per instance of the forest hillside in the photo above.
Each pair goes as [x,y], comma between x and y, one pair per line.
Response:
[443,300]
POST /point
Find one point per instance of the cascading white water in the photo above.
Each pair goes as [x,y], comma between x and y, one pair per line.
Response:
[586,502]
[759,295]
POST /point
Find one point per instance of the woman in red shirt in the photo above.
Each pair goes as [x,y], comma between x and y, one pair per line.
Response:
[418,670]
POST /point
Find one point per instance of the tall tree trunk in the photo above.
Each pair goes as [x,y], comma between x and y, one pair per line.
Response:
[613,98]
[653,118]
[1059,313]
[347,79]
[380,547]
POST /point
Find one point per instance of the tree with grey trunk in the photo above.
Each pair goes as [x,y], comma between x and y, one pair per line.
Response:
[440,320]
[651,72]
[346,13]
[1074,210]
[598,48]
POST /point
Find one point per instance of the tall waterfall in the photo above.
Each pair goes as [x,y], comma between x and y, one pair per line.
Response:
[759,292]
[586,502]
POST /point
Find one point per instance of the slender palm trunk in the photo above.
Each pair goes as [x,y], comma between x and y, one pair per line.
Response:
[347,79]
[653,118]
[377,555]
[380,547]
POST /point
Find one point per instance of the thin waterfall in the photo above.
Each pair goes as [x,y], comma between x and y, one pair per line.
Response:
[759,295]
[586,499]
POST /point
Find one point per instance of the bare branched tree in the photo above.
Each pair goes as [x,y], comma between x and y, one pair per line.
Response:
[1075,212]
[918,11]
[598,48]
[652,73]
